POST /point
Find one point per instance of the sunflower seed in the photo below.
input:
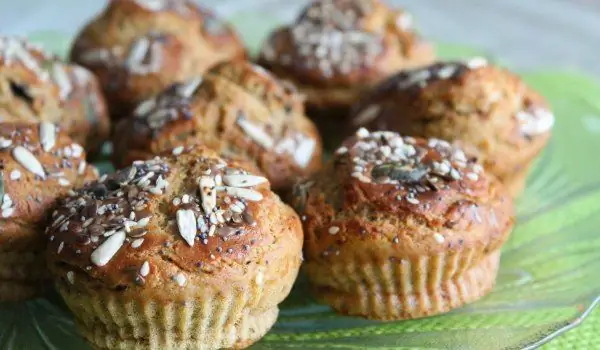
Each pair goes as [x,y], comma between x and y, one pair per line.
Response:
[107,250]
[243,193]
[145,107]
[367,115]
[241,180]
[145,269]
[207,193]
[304,152]
[188,89]
[62,80]
[476,62]
[137,243]
[81,167]
[186,222]
[28,161]
[256,133]
[47,136]
[8,212]
[71,277]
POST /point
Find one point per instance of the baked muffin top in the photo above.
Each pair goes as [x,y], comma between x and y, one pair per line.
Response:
[413,99]
[344,42]
[170,220]
[30,92]
[138,48]
[38,164]
[236,108]
[38,86]
[422,195]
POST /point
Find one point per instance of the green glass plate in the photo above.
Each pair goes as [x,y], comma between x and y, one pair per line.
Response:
[549,279]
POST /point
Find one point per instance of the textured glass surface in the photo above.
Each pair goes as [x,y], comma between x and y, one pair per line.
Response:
[549,279]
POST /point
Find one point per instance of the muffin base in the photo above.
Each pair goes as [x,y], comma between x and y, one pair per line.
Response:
[23,275]
[411,288]
[108,321]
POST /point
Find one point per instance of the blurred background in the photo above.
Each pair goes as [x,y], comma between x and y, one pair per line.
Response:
[524,33]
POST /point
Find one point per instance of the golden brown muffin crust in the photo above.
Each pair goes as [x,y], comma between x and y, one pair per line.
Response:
[238,109]
[405,197]
[37,86]
[339,46]
[169,227]
[35,170]
[138,48]
[495,116]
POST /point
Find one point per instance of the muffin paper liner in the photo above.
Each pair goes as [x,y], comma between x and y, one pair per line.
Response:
[109,320]
[391,289]
[22,275]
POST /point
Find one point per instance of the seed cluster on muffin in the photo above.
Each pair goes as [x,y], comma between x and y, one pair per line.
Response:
[38,165]
[236,108]
[190,236]
[400,227]
[337,48]
[489,110]
[137,48]
[36,85]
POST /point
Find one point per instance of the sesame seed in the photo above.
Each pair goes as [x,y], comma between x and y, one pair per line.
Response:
[63,182]
[396,240]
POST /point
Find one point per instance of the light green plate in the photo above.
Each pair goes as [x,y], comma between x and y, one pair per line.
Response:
[549,280]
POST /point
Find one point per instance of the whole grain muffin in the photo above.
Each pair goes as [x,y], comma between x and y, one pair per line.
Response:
[137,48]
[237,109]
[177,252]
[37,86]
[38,164]
[490,111]
[336,49]
[401,227]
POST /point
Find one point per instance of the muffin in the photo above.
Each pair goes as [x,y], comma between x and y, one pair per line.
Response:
[38,164]
[400,227]
[137,48]
[489,110]
[338,48]
[237,109]
[37,86]
[177,252]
